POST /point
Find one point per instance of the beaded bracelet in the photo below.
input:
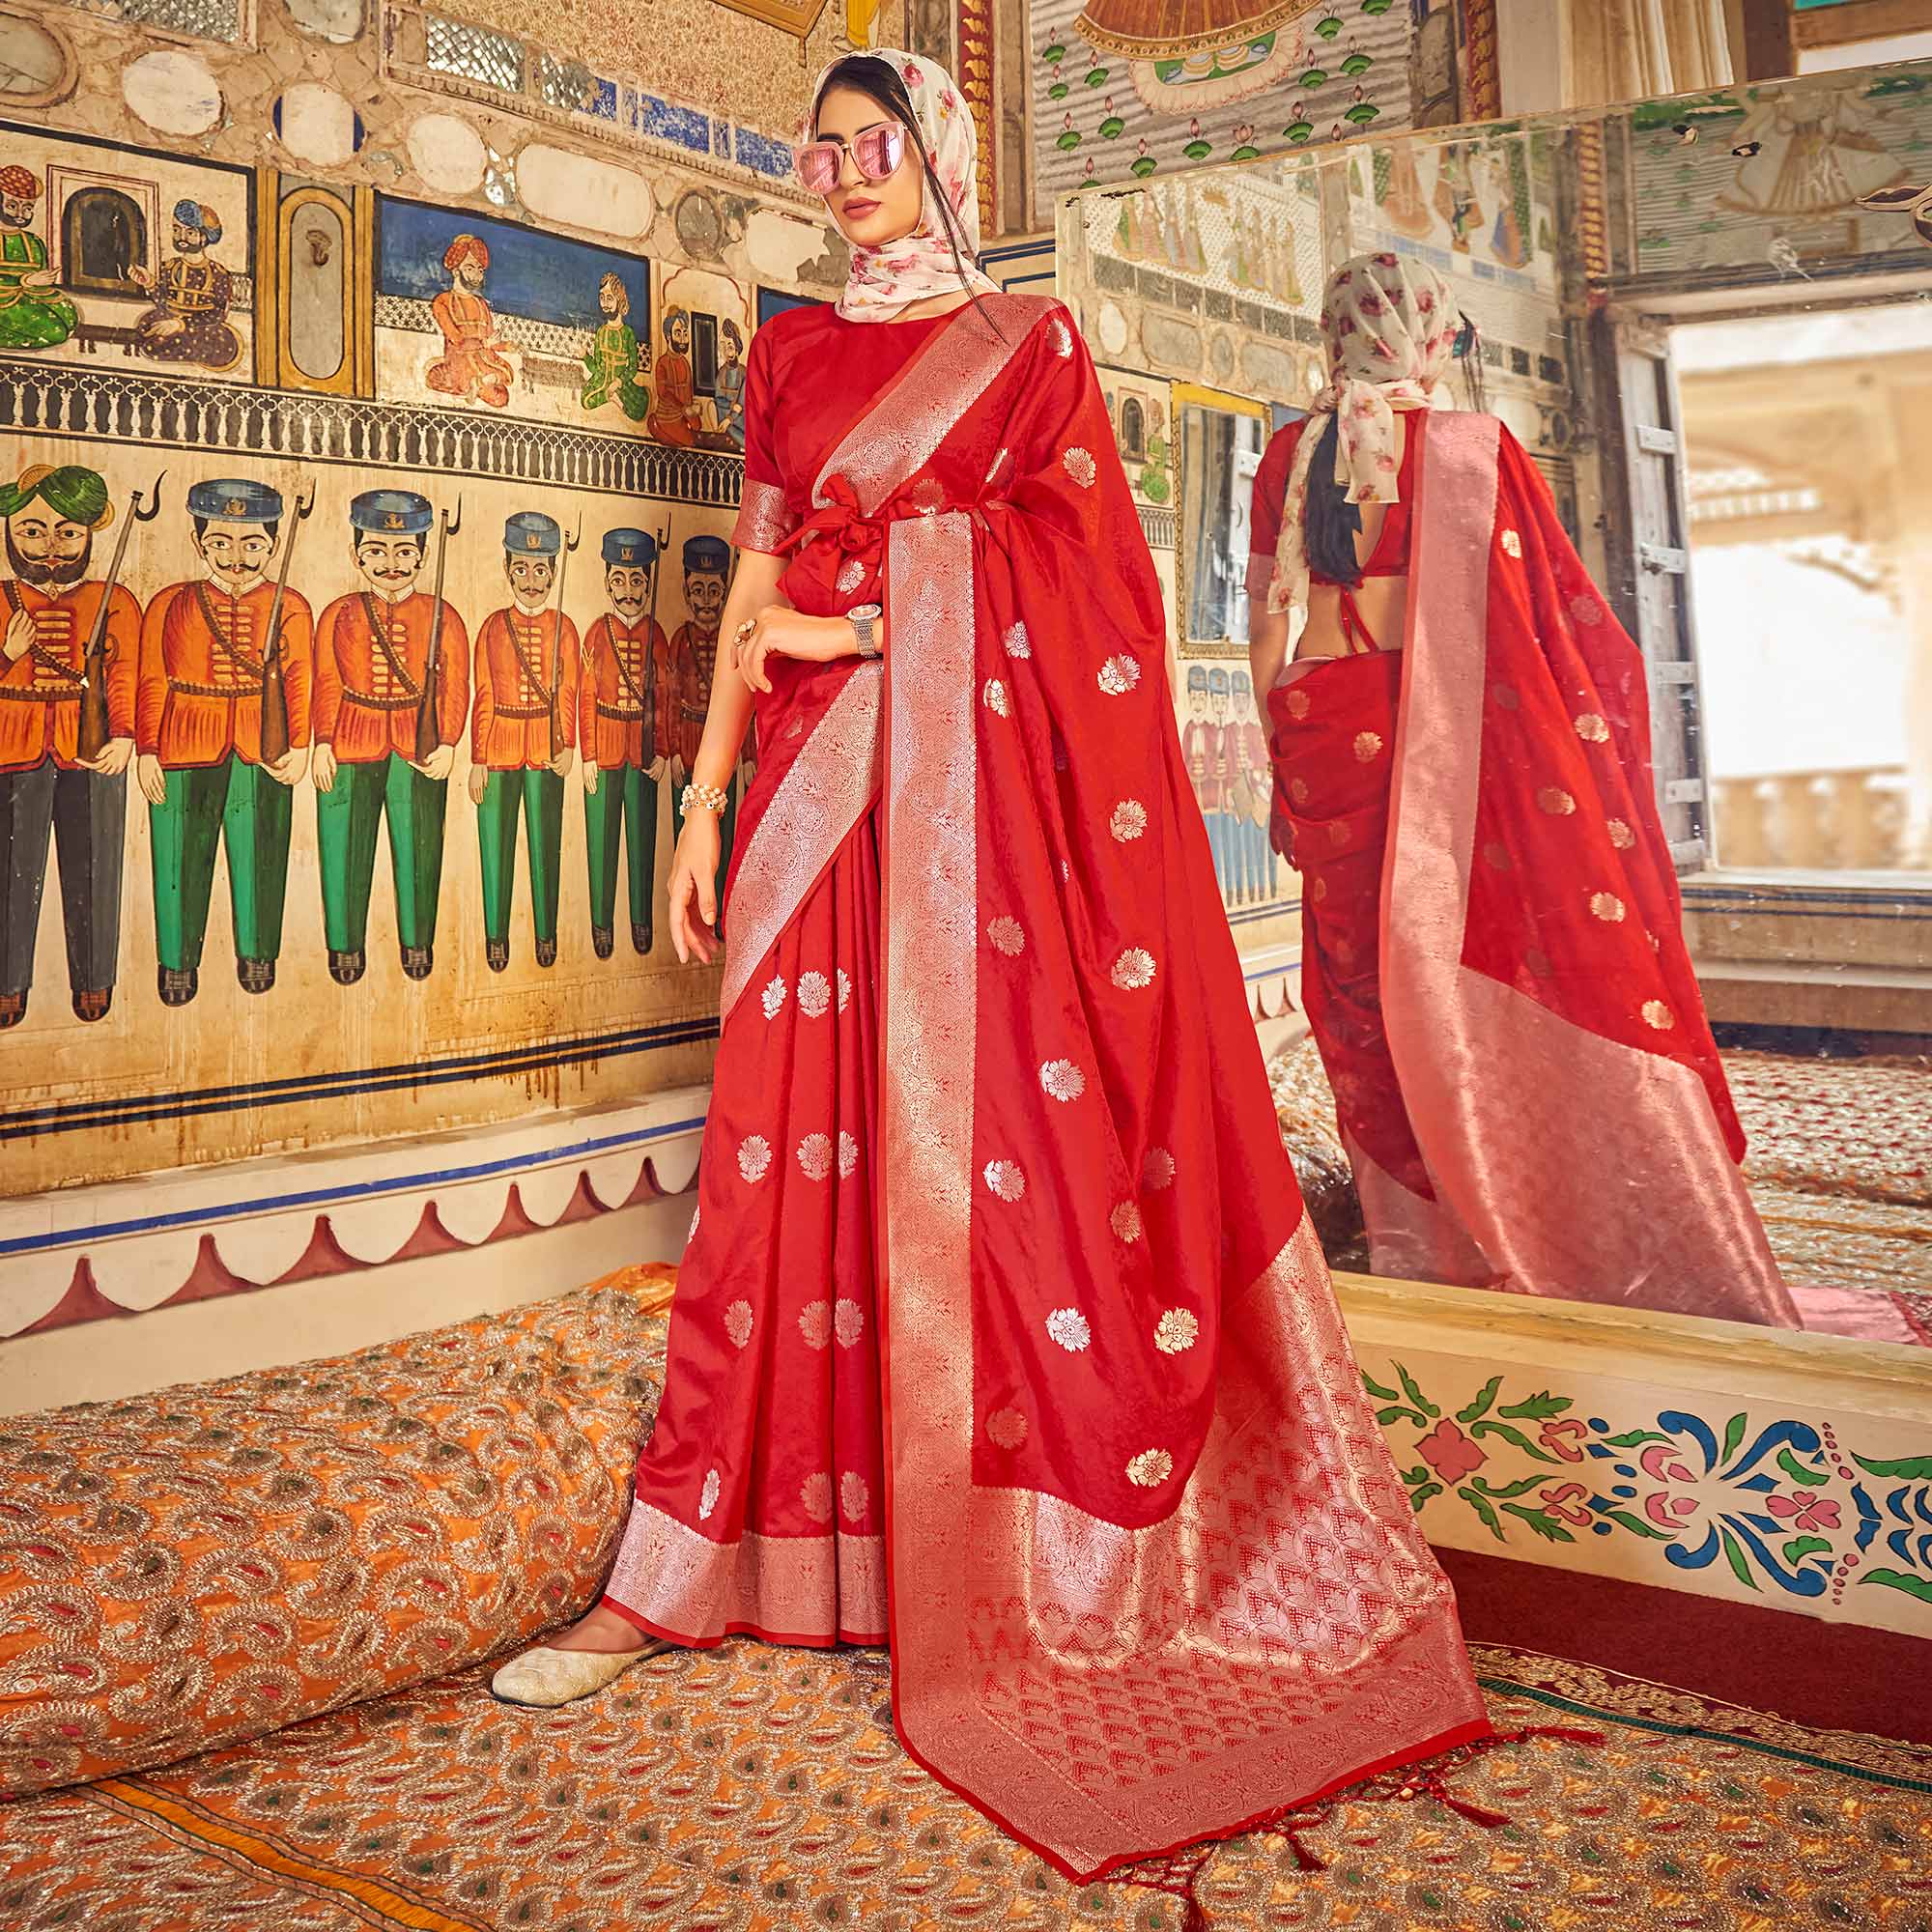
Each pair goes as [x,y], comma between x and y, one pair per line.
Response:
[703,798]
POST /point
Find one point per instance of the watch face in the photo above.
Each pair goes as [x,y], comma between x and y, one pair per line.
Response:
[865,612]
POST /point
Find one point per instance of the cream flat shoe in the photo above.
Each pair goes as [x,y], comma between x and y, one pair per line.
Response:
[545,1678]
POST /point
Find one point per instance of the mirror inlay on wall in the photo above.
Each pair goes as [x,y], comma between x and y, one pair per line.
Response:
[1707,323]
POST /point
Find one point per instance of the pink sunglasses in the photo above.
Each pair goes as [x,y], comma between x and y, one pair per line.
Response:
[878,151]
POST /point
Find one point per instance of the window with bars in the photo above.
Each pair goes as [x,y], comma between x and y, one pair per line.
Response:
[472,54]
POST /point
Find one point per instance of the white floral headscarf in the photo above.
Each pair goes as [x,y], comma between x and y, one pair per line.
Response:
[922,265]
[1390,325]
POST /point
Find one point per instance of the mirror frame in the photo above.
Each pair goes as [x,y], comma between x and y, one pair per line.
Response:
[1195,396]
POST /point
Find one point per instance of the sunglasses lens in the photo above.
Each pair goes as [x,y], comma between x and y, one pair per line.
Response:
[819,165]
[878,151]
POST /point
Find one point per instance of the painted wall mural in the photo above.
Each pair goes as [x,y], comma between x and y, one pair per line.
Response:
[364,561]
[1128,89]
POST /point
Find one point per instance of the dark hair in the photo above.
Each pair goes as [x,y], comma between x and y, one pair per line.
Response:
[880,81]
[1329,522]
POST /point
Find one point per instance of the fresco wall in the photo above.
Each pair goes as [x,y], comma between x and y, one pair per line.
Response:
[369,430]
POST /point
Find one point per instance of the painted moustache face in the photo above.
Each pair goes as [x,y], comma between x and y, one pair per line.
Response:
[47,551]
[629,586]
[390,564]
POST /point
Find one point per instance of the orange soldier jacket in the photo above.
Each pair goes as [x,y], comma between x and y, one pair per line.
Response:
[369,661]
[686,695]
[623,669]
[1201,746]
[518,668]
[199,693]
[39,693]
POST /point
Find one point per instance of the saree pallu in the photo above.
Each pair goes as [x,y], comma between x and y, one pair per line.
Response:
[1150,1573]
[1497,973]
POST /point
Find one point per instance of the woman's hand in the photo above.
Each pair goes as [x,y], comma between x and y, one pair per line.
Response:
[693,892]
[781,630]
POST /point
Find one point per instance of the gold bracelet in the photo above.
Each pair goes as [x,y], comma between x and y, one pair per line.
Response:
[703,798]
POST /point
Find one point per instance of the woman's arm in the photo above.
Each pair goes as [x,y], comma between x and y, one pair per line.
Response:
[1267,649]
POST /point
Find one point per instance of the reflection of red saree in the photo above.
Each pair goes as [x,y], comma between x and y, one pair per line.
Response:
[1150,1571]
[1495,968]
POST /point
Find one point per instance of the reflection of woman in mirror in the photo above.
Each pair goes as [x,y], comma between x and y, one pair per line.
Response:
[1494,969]
[984,1038]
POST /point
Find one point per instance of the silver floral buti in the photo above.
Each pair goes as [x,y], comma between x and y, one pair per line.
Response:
[814,1156]
[1133,970]
[1621,835]
[1150,1468]
[814,1495]
[1007,935]
[1079,465]
[845,989]
[854,1493]
[848,1155]
[815,1323]
[848,1321]
[693,1235]
[707,1500]
[995,697]
[1129,822]
[1068,1327]
[1592,728]
[1017,643]
[815,994]
[1005,1179]
[1156,1170]
[738,1322]
[773,998]
[754,1156]
[1177,1331]
[1512,543]
[1120,675]
[1062,336]
[851,574]
[1125,1221]
[1062,1079]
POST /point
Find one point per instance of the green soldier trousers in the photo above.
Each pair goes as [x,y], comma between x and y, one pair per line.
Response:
[540,795]
[346,822]
[624,806]
[231,803]
[85,815]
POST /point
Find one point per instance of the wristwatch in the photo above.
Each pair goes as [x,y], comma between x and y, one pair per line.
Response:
[865,621]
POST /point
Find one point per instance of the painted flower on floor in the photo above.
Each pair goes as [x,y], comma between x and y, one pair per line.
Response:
[1450,1453]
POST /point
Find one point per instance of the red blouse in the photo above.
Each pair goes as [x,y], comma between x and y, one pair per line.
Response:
[1390,555]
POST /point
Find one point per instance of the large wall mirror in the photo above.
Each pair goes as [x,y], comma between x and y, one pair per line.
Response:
[1706,324]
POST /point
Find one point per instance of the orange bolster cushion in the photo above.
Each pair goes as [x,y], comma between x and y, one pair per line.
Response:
[201,1566]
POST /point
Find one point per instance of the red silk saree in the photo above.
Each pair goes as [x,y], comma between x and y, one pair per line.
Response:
[1003,1333]
[1495,970]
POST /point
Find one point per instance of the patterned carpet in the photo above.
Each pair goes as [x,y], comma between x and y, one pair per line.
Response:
[758,1790]
[1839,1165]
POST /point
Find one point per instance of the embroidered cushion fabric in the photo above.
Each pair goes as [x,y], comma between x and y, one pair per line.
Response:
[206,1564]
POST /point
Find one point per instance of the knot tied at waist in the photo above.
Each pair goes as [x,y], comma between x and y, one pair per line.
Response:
[840,550]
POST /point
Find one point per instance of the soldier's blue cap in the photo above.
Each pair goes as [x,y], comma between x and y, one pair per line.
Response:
[1241,685]
[1197,677]
[532,534]
[711,556]
[227,500]
[1217,681]
[630,546]
[392,513]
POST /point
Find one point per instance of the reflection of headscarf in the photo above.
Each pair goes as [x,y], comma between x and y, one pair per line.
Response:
[919,266]
[1390,325]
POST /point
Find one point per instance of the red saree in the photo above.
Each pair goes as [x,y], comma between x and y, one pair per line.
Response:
[1147,1569]
[1495,970]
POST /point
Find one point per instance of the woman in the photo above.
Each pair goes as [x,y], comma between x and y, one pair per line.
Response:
[1493,964]
[1001,1335]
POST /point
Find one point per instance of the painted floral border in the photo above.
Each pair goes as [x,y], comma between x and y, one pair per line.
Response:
[1779,1501]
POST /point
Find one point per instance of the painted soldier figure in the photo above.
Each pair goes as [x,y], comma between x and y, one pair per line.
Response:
[1201,749]
[50,790]
[522,734]
[1255,774]
[626,665]
[731,385]
[472,364]
[372,661]
[611,367]
[211,677]
[34,314]
[193,294]
[693,660]
[1224,823]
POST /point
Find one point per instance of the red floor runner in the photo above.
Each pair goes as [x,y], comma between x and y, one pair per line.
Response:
[1840,1676]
